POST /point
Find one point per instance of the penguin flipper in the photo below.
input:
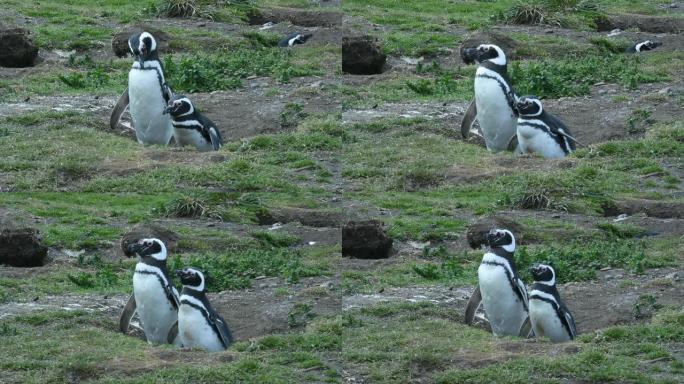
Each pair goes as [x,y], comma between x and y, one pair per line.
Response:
[221,327]
[118,110]
[468,119]
[473,304]
[127,314]
[522,290]
[215,138]
[513,145]
[173,333]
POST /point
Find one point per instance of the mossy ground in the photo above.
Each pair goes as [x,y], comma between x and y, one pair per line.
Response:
[83,186]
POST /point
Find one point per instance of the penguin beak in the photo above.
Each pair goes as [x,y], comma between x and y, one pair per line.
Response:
[135,248]
[468,55]
[167,110]
[179,273]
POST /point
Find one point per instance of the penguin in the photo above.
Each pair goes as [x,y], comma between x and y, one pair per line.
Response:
[504,296]
[541,132]
[644,46]
[191,127]
[494,105]
[156,299]
[548,314]
[199,326]
[294,38]
[148,92]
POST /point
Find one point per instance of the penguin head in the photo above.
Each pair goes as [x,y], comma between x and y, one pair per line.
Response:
[179,105]
[543,273]
[191,278]
[484,52]
[143,46]
[529,106]
[647,45]
[148,248]
[501,238]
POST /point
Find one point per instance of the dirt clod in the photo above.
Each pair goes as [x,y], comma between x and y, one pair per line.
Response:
[365,240]
[22,247]
[17,49]
[362,55]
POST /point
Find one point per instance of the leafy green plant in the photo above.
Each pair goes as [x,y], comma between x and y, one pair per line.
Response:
[573,76]
[201,72]
[236,270]
[276,239]
[192,207]
[300,315]
[580,261]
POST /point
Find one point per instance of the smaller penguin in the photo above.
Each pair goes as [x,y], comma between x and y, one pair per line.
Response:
[191,127]
[199,326]
[504,295]
[294,38]
[156,299]
[644,46]
[541,132]
[548,314]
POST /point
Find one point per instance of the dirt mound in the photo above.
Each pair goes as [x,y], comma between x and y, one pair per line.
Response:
[365,240]
[655,24]
[652,208]
[308,217]
[22,247]
[490,37]
[476,233]
[17,48]
[299,17]
[120,40]
[362,55]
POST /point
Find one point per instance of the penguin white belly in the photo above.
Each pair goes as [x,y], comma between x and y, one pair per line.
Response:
[195,332]
[497,120]
[157,314]
[502,306]
[146,103]
[534,140]
[185,136]
[545,321]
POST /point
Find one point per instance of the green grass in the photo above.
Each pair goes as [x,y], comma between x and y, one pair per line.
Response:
[82,344]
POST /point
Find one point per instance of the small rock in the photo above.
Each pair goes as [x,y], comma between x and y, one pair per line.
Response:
[327,285]
[365,240]
[17,49]
[665,91]
[412,60]
[549,31]
[22,247]
[614,32]
[362,55]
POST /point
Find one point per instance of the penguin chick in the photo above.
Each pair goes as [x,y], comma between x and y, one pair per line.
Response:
[199,326]
[504,295]
[541,132]
[192,127]
[155,297]
[294,38]
[548,314]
